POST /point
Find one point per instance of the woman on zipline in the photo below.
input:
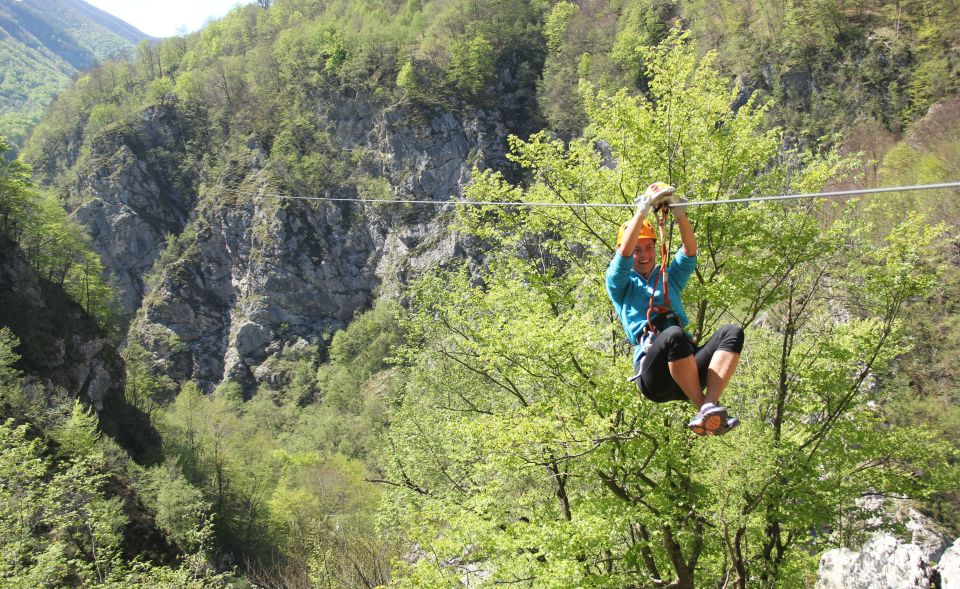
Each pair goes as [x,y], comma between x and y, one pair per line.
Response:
[667,365]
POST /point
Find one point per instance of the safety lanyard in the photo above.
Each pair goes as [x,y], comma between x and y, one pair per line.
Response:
[661,213]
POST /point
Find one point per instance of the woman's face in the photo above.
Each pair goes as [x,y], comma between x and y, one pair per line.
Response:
[645,255]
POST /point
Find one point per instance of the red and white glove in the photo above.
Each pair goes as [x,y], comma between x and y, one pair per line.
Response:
[656,194]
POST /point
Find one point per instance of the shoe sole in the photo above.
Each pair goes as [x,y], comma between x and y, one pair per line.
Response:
[730,424]
[714,421]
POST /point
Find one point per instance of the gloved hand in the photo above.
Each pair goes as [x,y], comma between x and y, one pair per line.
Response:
[678,212]
[656,194]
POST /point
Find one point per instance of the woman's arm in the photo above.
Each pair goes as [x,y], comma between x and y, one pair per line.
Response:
[687,237]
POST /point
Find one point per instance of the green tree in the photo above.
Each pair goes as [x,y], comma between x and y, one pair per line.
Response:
[15,200]
[228,458]
[57,247]
[555,29]
[144,388]
[179,506]
[472,66]
[102,118]
[521,456]
[79,434]
[10,377]
[161,91]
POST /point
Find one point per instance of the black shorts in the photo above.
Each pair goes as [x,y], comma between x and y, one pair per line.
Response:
[673,344]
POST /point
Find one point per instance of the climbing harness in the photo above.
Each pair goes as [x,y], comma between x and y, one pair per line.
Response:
[659,317]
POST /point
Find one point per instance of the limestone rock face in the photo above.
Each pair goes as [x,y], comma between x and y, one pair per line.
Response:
[884,562]
[835,567]
[916,560]
[950,567]
[932,542]
[131,200]
[259,272]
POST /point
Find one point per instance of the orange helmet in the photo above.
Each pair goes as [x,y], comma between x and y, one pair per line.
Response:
[646,232]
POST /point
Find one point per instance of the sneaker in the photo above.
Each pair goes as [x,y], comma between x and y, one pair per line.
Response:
[731,423]
[709,420]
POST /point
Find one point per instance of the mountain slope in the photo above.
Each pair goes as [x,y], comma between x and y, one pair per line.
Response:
[43,43]
[397,101]
[174,163]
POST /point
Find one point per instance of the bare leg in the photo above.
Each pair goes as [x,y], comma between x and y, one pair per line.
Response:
[684,373]
[722,365]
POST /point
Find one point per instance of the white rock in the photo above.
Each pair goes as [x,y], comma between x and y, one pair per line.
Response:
[886,563]
[835,567]
[950,567]
[924,533]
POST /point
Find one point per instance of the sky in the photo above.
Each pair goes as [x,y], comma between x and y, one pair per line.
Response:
[169,17]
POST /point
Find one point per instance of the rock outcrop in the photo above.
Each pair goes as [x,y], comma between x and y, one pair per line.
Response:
[919,559]
[255,272]
[950,567]
[132,199]
[883,561]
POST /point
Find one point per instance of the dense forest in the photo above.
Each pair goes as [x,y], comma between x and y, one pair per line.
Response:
[470,425]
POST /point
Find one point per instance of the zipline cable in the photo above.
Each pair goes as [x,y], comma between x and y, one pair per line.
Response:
[833,194]
[477,203]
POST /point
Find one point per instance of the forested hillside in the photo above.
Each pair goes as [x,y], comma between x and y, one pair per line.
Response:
[43,45]
[335,389]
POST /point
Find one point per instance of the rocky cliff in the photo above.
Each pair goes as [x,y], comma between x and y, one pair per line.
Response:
[64,353]
[253,271]
[132,194]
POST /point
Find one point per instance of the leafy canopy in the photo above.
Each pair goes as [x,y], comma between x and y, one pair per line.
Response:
[523,457]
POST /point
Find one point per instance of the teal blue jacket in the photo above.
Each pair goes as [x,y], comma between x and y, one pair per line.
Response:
[630,293]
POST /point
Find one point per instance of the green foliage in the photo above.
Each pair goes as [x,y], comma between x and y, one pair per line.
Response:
[522,456]
[60,518]
[357,382]
[58,248]
[310,52]
[925,379]
[179,506]
[16,204]
[284,473]
[418,80]
[10,377]
[517,450]
[83,526]
[102,118]
[161,90]
[306,155]
[366,344]
[255,68]
[324,511]
[60,530]
[220,453]
[472,66]
[586,46]
[144,388]
[79,433]
[42,50]
[555,28]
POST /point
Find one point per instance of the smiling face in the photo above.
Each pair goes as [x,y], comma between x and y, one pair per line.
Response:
[645,256]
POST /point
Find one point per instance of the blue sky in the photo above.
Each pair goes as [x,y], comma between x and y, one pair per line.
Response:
[169,17]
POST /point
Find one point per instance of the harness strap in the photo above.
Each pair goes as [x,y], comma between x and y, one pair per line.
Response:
[661,214]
